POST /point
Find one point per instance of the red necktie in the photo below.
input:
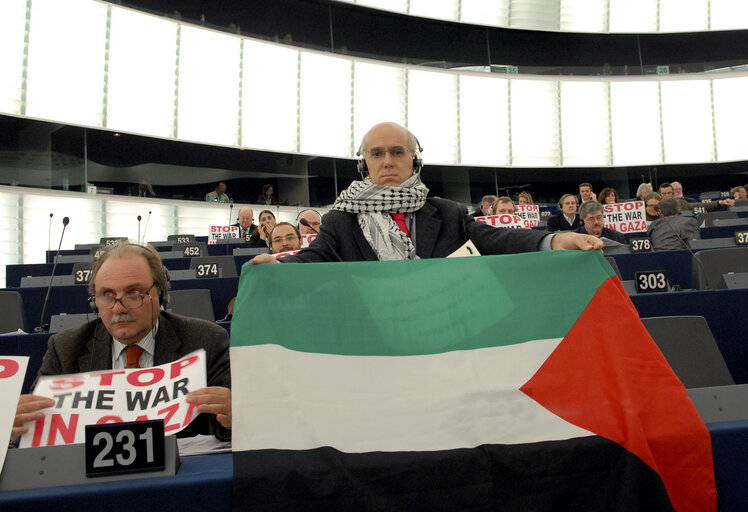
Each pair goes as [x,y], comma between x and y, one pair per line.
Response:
[400,220]
[133,353]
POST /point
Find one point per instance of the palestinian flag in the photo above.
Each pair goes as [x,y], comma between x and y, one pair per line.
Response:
[523,382]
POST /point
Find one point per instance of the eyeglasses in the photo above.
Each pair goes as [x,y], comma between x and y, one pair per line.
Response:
[396,153]
[132,301]
[287,238]
[597,218]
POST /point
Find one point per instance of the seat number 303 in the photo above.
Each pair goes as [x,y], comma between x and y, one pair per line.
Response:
[651,281]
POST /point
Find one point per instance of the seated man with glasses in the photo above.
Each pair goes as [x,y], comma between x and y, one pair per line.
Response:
[593,218]
[284,238]
[389,216]
[128,286]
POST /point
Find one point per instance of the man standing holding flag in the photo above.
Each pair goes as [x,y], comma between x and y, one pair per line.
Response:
[410,391]
[387,216]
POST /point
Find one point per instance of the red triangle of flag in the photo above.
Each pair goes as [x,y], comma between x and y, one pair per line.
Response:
[609,377]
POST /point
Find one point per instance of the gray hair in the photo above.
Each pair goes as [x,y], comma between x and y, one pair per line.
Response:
[669,207]
[125,248]
[642,188]
[590,207]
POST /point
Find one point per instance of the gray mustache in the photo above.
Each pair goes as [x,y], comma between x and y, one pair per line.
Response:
[122,318]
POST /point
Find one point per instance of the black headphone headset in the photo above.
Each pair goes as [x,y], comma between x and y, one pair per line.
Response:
[298,216]
[363,170]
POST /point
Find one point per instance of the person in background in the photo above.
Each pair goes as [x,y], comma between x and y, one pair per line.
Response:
[738,193]
[504,205]
[313,222]
[651,202]
[524,198]
[486,206]
[284,238]
[218,195]
[678,193]
[267,223]
[568,219]
[593,218]
[586,193]
[245,222]
[608,195]
[671,231]
[643,190]
[666,190]
[267,195]
[129,286]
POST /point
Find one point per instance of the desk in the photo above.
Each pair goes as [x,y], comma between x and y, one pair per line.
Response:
[205,483]
[677,264]
[721,231]
[202,483]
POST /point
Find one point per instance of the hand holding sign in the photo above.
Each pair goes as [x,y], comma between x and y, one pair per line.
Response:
[213,400]
[12,371]
[114,396]
[29,410]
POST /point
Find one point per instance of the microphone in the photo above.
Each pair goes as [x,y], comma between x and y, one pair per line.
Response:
[42,326]
[231,209]
[139,219]
[146,224]
[49,232]
[305,222]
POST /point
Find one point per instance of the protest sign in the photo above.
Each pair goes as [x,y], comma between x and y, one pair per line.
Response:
[502,221]
[307,239]
[12,372]
[626,217]
[530,214]
[284,254]
[115,396]
[221,233]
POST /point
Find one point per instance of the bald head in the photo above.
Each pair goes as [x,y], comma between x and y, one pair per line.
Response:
[246,217]
[389,126]
[388,150]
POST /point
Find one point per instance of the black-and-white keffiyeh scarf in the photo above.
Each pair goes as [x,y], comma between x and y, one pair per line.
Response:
[374,203]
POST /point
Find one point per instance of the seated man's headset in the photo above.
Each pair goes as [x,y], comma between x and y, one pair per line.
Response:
[163,295]
[417,161]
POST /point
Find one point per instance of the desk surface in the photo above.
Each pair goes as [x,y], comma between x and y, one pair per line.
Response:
[205,483]
[202,483]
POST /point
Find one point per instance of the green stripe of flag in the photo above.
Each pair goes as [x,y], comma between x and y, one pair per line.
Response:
[371,308]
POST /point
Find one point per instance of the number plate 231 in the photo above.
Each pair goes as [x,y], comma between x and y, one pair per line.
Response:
[130,447]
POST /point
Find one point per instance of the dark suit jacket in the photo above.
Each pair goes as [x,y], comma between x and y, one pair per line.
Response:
[442,226]
[672,233]
[559,223]
[88,348]
[611,234]
[252,239]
